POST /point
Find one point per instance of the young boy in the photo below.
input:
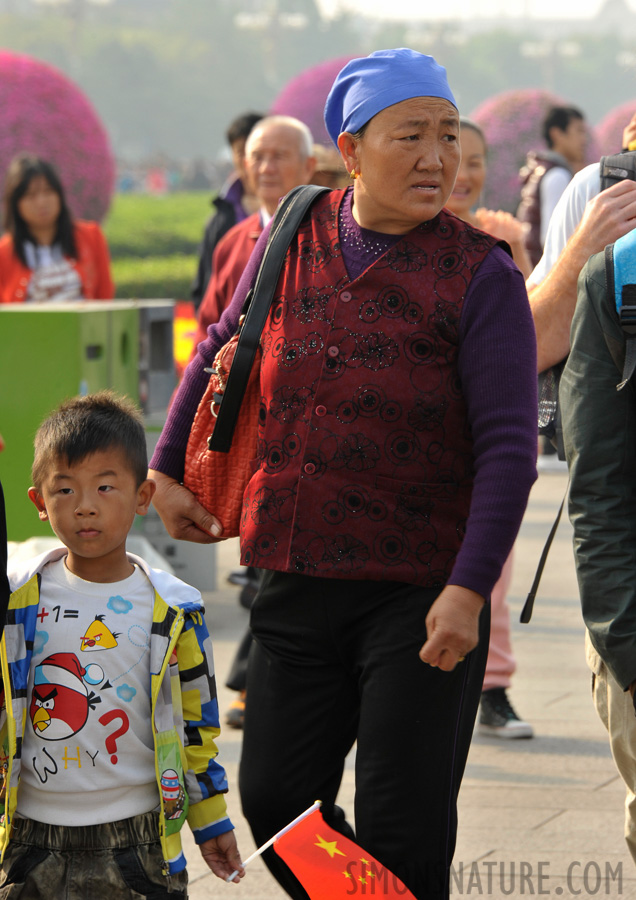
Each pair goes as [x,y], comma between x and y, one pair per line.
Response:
[107,734]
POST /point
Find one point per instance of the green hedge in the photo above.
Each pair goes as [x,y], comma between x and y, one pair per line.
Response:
[156,278]
[154,243]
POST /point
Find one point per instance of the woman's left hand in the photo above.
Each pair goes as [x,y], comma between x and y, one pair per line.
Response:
[452,626]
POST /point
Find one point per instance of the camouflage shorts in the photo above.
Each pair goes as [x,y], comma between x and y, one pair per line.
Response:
[114,861]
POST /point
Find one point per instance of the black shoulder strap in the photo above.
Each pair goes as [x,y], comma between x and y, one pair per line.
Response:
[528,606]
[285,224]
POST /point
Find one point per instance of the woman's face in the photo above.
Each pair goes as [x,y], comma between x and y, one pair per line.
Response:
[407,161]
[40,205]
[471,175]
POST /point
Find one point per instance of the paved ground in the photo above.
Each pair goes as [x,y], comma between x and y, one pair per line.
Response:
[541,816]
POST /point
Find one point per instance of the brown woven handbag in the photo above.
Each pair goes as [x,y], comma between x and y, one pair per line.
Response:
[218,479]
[221,451]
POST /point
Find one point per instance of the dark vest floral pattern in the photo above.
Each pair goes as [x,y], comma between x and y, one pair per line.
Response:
[365,463]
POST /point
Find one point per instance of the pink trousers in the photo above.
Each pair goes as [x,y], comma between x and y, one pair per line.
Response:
[501,663]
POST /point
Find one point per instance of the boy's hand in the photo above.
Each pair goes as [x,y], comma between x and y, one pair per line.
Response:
[184,518]
[222,856]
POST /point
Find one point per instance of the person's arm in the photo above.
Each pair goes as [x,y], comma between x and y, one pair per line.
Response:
[204,267]
[205,779]
[105,284]
[183,517]
[496,370]
[506,227]
[599,429]
[94,245]
[229,259]
[608,216]
[210,308]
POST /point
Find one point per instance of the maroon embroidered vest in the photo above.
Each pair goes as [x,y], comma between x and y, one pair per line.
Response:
[365,462]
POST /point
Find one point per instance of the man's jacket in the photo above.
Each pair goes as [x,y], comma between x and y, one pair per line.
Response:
[599,427]
[184,707]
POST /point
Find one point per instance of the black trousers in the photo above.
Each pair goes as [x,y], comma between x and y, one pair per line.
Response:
[334,662]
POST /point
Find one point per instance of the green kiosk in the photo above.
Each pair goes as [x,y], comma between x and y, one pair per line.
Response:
[51,351]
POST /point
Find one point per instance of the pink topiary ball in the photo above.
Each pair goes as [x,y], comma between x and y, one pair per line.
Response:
[305,95]
[42,112]
[511,122]
[609,131]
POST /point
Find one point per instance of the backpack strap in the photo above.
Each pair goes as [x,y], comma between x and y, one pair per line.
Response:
[620,274]
[528,606]
[617,167]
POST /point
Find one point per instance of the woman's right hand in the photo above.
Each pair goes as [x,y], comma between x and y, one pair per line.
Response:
[183,517]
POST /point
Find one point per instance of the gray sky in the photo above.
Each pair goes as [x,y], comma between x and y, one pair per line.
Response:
[463,9]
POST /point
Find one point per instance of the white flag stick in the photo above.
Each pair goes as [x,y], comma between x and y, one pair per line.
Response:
[280,833]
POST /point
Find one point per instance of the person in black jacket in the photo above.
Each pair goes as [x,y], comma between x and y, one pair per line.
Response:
[599,428]
[231,205]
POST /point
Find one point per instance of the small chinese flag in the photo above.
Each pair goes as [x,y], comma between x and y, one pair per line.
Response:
[331,867]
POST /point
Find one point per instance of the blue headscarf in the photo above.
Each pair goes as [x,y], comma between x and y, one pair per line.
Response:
[367,86]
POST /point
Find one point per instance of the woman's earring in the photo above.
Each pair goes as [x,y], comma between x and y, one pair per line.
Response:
[353,174]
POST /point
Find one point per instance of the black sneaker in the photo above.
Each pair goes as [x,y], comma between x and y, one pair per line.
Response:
[497,718]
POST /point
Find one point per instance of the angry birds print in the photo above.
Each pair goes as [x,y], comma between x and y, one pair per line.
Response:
[98,636]
[60,700]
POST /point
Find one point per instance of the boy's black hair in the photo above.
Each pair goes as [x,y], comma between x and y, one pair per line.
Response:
[559,117]
[23,168]
[241,126]
[84,425]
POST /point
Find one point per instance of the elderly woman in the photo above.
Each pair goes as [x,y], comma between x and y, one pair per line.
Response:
[398,446]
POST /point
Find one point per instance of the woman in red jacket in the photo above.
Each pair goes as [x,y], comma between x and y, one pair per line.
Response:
[44,254]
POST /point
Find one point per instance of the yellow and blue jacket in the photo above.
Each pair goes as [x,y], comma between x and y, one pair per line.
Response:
[185,712]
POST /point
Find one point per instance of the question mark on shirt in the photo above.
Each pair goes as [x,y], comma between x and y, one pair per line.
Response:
[111,740]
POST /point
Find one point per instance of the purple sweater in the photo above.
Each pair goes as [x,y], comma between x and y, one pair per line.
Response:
[497,369]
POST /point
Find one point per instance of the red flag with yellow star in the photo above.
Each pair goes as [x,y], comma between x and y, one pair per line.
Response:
[332,867]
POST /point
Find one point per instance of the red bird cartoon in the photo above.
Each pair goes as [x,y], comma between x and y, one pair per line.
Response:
[60,700]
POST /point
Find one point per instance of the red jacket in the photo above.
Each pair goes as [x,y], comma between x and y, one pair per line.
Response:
[228,261]
[92,265]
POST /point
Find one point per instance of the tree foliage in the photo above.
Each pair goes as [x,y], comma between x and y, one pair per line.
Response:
[167,76]
[39,109]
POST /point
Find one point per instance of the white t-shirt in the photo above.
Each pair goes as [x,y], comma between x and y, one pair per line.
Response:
[54,278]
[567,214]
[552,185]
[87,755]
